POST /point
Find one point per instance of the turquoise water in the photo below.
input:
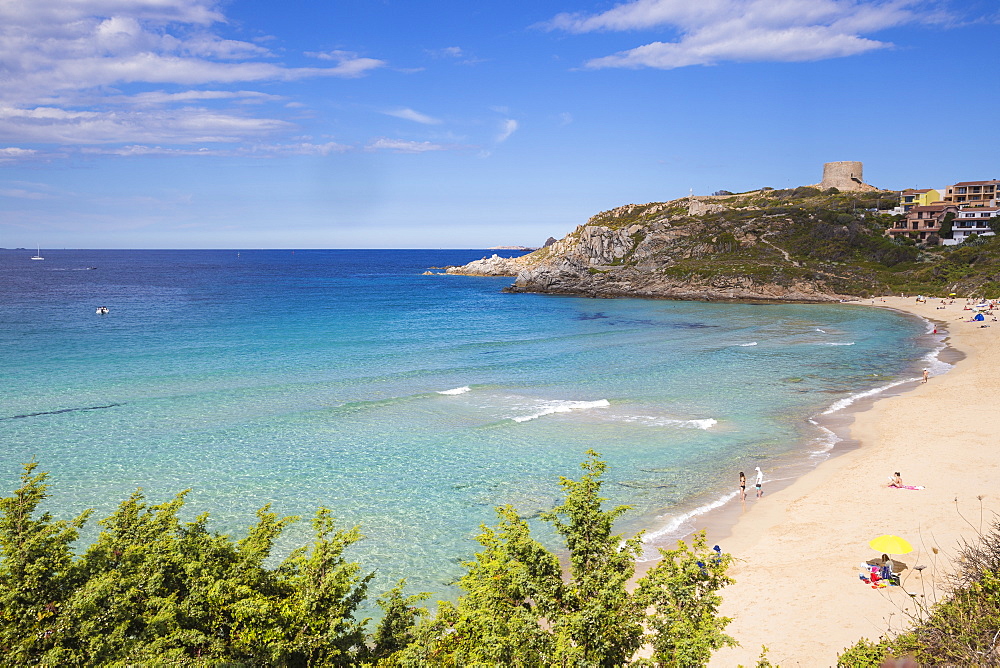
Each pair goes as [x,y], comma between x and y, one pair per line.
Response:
[409,404]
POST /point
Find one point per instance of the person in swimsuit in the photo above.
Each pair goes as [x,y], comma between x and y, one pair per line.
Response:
[897,480]
[759,481]
[743,487]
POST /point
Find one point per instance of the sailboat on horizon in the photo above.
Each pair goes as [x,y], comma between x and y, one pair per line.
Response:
[38,255]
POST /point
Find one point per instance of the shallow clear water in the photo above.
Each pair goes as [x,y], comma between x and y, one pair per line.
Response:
[409,404]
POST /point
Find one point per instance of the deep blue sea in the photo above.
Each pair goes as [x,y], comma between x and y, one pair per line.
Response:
[409,404]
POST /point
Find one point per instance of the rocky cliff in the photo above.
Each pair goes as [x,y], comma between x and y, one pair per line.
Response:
[801,245]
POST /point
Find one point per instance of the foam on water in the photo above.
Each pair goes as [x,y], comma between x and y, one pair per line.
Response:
[841,404]
[457,390]
[653,421]
[562,407]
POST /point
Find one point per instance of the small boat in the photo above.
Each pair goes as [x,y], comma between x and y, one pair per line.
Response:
[101,310]
[38,255]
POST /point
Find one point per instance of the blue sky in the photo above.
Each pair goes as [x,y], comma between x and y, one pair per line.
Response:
[456,124]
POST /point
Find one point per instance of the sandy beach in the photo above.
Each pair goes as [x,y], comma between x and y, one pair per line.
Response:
[799,550]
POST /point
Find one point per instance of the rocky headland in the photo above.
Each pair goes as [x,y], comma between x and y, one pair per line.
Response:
[796,245]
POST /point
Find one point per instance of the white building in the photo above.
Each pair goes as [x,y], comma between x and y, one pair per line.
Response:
[971,221]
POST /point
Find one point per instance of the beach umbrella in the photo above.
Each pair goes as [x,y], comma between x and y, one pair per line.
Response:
[890,544]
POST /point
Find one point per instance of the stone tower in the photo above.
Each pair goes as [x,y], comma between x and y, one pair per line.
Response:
[846,175]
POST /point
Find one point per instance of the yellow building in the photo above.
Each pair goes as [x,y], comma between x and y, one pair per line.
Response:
[911,198]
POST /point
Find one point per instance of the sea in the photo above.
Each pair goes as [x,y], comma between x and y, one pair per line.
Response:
[410,404]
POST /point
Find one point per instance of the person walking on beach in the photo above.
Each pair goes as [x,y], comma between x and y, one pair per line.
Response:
[743,487]
[925,375]
[760,481]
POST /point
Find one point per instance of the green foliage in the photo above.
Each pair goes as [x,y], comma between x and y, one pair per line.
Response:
[864,654]
[38,574]
[946,225]
[994,224]
[399,619]
[520,608]
[598,621]
[683,592]
[155,589]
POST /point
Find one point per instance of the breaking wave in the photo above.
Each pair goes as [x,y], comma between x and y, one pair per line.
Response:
[562,407]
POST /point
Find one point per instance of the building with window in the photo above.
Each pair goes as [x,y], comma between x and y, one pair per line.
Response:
[912,197]
[973,193]
[921,222]
[973,220]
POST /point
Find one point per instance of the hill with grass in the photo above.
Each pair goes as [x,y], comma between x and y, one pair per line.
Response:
[802,244]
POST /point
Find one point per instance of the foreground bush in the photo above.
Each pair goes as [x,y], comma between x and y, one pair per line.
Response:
[518,608]
[155,590]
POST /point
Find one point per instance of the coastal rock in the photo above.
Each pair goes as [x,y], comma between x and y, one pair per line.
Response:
[490,266]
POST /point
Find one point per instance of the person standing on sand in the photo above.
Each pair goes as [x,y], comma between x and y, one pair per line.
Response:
[743,487]
[759,482]
[925,375]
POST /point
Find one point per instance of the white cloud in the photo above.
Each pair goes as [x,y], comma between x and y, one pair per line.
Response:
[257,150]
[411,115]
[13,153]
[348,64]
[162,98]
[507,128]
[713,31]
[302,148]
[21,193]
[74,73]
[51,125]
[404,146]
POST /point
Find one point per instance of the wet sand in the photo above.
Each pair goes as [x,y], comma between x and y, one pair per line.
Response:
[800,548]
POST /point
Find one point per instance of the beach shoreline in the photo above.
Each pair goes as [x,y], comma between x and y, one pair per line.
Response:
[718,515]
[799,549]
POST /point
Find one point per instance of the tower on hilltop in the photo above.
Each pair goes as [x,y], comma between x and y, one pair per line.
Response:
[846,175]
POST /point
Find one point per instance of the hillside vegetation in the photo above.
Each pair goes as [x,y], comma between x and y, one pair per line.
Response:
[799,244]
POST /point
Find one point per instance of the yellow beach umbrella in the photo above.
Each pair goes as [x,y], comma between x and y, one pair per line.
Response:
[890,544]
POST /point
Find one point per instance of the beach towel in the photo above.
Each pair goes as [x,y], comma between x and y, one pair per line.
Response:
[909,487]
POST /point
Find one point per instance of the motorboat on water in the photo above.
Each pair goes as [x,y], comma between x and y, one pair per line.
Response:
[101,310]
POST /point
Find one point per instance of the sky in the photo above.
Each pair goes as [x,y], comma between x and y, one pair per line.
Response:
[464,124]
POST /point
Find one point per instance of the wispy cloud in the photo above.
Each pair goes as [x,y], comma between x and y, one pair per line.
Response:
[405,146]
[103,72]
[507,128]
[21,193]
[714,31]
[455,53]
[411,115]
[52,125]
[256,150]
[348,64]
[11,153]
